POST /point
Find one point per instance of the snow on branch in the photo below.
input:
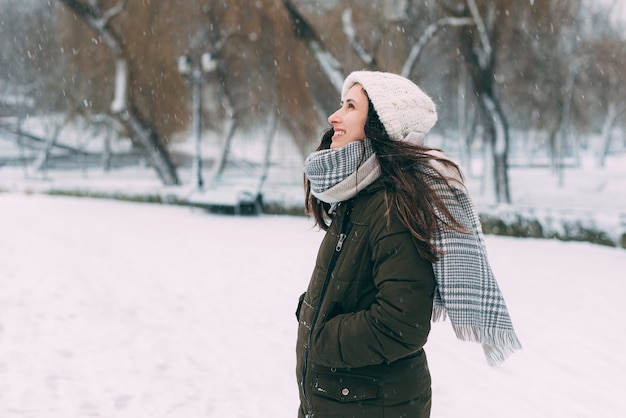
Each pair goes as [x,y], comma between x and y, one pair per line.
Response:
[428,34]
[113,11]
[482,33]
[350,32]
[98,21]
[329,64]
[121,82]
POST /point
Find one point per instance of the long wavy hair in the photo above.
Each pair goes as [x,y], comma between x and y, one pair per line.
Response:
[408,179]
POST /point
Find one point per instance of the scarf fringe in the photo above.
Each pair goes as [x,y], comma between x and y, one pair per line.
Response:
[498,344]
[439,313]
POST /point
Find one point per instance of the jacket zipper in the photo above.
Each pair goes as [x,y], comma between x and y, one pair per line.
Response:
[331,266]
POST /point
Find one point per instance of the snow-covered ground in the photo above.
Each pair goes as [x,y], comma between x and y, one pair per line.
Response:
[112,309]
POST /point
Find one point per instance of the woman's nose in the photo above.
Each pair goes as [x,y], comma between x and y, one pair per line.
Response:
[334,118]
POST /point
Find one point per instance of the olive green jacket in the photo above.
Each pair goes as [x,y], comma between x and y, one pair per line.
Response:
[365,317]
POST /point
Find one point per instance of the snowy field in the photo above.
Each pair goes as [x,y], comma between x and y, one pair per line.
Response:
[112,309]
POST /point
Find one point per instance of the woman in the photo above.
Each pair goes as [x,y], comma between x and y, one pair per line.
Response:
[392,209]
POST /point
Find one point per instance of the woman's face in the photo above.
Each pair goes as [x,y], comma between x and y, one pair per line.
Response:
[349,120]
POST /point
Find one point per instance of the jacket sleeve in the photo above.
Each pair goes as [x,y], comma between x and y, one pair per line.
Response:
[396,324]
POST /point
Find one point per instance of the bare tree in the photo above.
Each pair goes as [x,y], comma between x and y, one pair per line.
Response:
[602,82]
[427,36]
[124,106]
[262,69]
[280,64]
[479,48]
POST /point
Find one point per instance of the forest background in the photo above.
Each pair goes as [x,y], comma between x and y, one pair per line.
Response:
[532,83]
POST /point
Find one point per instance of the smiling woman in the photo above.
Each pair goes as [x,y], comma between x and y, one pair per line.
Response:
[388,204]
[349,120]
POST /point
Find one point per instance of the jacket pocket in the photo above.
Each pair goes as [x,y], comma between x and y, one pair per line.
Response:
[300,301]
[345,387]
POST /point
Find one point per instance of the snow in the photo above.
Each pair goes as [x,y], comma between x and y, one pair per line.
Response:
[117,309]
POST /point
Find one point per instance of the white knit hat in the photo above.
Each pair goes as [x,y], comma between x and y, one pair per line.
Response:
[401,106]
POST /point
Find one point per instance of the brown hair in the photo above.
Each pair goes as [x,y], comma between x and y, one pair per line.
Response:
[407,175]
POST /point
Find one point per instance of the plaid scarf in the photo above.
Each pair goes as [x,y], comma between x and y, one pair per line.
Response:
[467,290]
[337,175]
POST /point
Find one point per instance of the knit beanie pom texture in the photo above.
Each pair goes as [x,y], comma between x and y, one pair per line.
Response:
[402,107]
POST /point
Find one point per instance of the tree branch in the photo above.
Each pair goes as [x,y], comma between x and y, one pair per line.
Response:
[303,30]
[141,131]
[95,20]
[113,11]
[485,53]
[428,34]
[348,29]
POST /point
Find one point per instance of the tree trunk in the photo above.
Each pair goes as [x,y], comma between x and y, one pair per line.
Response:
[499,133]
[561,136]
[41,162]
[269,143]
[496,131]
[148,142]
[481,61]
[232,124]
[613,113]
[141,132]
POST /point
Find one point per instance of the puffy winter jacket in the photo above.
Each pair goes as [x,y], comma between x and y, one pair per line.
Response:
[365,317]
